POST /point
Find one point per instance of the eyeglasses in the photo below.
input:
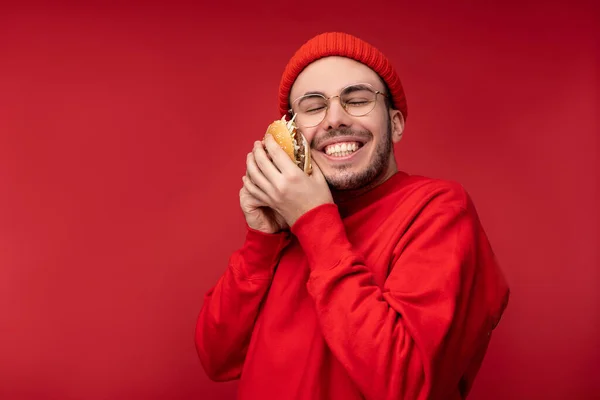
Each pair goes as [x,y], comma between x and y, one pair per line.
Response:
[357,100]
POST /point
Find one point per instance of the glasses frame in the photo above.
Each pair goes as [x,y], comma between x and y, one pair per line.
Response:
[328,100]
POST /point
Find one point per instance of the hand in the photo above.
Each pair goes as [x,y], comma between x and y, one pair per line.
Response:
[258,215]
[277,181]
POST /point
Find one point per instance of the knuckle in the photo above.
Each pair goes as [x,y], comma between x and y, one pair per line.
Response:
[283,189]
[294,177]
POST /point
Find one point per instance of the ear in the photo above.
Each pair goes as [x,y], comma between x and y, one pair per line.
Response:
[397,121]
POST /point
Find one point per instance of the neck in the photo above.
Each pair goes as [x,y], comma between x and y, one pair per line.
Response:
[340,196]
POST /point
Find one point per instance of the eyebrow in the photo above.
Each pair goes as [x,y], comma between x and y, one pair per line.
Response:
[313,93]
[361,86]
[357,86]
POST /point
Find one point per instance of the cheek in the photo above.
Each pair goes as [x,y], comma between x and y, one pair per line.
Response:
[379,124]
[309,134]
[379,130]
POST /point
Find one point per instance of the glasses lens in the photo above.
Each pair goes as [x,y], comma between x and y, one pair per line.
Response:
[358,100]
[311,110]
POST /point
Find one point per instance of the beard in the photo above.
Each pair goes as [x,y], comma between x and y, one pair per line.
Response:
[345,179]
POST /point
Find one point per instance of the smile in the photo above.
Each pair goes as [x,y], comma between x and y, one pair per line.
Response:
[342,149]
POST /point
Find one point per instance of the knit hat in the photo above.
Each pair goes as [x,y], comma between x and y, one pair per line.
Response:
[345,45]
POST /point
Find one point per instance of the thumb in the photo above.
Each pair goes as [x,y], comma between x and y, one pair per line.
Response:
[316,171]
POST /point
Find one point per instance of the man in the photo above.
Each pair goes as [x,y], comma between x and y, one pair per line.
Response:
[358,281]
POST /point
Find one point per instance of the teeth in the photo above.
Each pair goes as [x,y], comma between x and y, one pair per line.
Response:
[341,149]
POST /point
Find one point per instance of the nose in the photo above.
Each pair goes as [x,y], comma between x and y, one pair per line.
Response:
[336,116]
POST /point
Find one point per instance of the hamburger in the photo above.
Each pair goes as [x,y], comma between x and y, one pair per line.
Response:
[292,142]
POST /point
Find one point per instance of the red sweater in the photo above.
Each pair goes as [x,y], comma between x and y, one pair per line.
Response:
[392,295]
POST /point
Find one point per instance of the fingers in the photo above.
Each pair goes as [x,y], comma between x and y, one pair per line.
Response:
[270,171]
[280,158]
[256,192]
[255,173]
[266,152]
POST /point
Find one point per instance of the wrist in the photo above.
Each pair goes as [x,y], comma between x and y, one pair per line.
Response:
[301,213]
[263,229]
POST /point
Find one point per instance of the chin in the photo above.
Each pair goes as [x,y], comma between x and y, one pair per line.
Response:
[354,177]
[351,180]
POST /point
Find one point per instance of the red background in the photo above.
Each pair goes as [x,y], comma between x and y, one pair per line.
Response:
[123,134]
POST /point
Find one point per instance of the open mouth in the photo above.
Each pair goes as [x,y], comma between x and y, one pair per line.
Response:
[342,149]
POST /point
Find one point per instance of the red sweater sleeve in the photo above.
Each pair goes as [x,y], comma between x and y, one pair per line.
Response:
[230,308]
[411,338]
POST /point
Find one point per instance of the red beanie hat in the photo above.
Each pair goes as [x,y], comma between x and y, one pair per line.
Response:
[344,45]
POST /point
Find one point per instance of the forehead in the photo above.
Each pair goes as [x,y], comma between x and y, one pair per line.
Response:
[329,75]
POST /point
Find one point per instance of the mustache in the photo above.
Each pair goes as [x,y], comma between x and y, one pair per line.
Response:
[333,133]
